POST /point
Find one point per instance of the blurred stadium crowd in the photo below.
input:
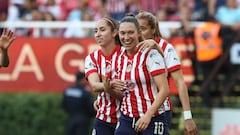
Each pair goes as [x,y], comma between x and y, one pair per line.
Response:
[91,10]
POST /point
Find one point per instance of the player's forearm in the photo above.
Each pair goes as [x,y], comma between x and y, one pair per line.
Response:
[184,97]
[162,94]
[97,86]
[182,89]
[95,82]
[4,58]
[183,93]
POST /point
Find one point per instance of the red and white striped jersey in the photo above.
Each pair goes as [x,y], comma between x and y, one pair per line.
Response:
[138,70]
[97,62]
[172,62]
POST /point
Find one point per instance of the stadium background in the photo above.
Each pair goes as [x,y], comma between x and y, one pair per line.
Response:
[31,88]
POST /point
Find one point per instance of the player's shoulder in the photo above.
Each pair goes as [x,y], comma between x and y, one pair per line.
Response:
[166,45]
[152,52]
[94,53]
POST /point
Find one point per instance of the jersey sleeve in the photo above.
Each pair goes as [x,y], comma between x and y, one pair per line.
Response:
[90,65]
[155,63]
[171,58]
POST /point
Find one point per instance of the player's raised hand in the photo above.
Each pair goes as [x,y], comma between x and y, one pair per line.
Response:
[6,39]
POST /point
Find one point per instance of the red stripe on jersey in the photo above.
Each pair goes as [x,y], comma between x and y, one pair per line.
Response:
[188,70]
[120,66]
[157,40]
[148,82]
[93,59]
[99,63]
[164,45]
[105,106]
[176,67]
[88,73]
[156,72]
[140,89]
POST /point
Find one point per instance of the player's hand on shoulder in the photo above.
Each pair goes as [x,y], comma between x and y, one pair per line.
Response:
[149,43]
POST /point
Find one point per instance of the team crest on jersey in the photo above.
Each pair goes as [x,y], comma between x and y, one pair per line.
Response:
[108,69]
[129,67]
[129,86]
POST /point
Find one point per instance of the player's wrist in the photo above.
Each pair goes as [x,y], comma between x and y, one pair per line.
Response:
[187,115]
[4,49]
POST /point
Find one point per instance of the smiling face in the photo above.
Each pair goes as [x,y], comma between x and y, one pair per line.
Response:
[147,32]
[148,25]
[104,33]
[129,35]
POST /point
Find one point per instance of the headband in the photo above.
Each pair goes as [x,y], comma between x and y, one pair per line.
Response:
[110,21]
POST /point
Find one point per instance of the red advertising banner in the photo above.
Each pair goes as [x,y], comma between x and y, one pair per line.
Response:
[49,64]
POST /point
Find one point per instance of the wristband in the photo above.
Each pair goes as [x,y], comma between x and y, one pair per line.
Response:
[187,115]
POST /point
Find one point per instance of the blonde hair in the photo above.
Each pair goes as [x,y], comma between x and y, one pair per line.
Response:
[152,20]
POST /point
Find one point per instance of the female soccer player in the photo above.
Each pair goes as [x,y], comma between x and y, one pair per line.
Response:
[102,63]
[146,84]
[150,30]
